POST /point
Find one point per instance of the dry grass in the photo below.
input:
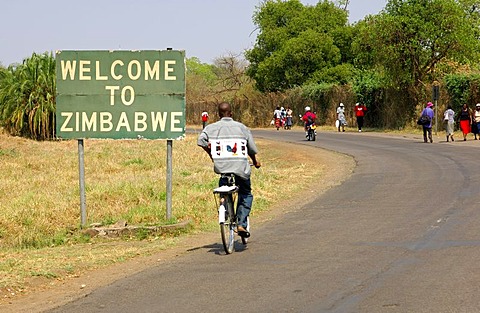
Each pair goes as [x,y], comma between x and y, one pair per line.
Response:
[125,180]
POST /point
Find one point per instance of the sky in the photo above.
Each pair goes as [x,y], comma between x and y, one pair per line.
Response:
[206,29]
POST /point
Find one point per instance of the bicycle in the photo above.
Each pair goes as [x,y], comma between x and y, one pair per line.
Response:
[227,195]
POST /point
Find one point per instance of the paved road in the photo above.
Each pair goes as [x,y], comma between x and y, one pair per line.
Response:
[401,235]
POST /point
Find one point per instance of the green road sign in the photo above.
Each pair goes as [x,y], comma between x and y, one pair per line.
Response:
[120,94]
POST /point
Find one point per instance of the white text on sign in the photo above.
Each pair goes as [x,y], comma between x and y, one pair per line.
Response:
[134,70]
[104,122]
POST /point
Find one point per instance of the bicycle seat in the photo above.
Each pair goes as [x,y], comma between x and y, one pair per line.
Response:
[225,189]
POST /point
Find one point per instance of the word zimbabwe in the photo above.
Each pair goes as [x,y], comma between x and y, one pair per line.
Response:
[106,122]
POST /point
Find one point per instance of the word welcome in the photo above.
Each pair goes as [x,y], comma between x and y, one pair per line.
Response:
[134,70]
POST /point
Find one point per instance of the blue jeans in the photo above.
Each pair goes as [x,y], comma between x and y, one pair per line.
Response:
[245,198]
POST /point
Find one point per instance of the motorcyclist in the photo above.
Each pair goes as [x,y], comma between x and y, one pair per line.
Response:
[309,119]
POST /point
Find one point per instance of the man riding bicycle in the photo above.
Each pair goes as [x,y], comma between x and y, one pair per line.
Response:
[233,144]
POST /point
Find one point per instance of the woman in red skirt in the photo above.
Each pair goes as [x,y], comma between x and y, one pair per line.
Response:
[465,118]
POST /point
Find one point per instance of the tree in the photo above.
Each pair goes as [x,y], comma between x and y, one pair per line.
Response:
[230,70]
[297,44]
[200,80]
[410,38]
[27,97]
[343,4]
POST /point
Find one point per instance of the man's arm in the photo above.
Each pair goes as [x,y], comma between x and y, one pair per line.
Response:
[208,150]
[202,141]
[255,162]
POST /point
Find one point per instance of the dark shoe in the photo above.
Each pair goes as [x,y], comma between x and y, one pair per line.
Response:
[242,232]
[464,139]
[431,140]
[453,139]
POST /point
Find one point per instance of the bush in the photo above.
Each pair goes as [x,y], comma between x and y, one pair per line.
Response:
[27,98]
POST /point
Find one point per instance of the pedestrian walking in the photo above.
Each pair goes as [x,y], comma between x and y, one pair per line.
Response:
[360,110]
[476,121]
[277,117]
[342,121]
[427,127]
[465,118]
[204,118]
[449,120]
[289,122]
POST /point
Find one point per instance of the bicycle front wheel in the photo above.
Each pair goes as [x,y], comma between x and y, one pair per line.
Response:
[227,228]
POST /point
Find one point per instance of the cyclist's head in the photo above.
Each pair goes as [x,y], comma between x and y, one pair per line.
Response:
[307,109]
[224,110]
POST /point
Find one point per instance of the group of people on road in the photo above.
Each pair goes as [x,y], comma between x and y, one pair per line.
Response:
[359,110]
[468,121]
[282,118]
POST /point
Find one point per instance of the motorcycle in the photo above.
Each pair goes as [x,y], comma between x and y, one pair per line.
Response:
[311,132]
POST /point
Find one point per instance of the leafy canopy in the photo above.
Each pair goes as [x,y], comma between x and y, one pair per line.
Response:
[411,37]
[299,45]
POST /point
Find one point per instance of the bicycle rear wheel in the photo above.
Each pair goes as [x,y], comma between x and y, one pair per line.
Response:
[227,228]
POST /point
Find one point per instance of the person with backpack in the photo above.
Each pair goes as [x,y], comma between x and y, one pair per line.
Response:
[427,127]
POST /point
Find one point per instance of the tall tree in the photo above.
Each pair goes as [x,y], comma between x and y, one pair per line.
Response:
[297,44]
[411,37]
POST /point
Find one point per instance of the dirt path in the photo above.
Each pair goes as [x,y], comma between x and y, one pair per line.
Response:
[48,294]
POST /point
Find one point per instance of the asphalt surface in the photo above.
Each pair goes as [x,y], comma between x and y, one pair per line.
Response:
[401,235]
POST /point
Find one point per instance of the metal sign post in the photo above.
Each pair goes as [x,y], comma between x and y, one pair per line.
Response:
[81,175]
[169,179]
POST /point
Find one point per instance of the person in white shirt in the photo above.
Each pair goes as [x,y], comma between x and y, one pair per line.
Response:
[342,121]
[277,116]
[449,118]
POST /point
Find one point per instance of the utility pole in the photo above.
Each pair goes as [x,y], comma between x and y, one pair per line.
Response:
[436,96]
